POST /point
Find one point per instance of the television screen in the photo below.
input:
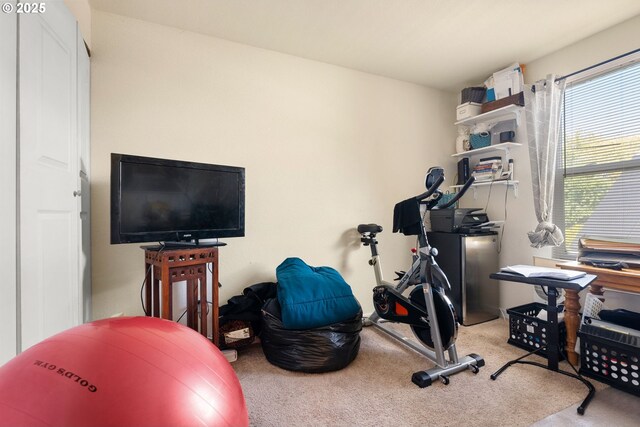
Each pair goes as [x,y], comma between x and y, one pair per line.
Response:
[168,200]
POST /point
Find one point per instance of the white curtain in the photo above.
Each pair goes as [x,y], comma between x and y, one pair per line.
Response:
[543,103]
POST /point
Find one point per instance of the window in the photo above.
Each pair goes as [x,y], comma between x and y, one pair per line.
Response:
[597,189]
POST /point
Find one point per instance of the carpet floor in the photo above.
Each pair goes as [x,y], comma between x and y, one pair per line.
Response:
[376,388]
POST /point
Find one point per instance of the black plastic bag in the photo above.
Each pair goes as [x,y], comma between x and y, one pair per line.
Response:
[323,349]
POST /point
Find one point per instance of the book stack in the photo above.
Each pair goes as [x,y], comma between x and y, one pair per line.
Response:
[487,169]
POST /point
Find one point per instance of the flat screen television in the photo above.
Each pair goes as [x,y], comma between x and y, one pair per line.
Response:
[160,200]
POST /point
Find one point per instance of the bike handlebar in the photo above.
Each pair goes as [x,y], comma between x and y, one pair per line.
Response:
[431,189]
[460,193]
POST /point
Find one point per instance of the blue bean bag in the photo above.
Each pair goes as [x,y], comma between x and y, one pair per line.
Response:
[312,297]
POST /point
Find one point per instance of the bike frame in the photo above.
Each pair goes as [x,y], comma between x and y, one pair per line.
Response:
[424,264]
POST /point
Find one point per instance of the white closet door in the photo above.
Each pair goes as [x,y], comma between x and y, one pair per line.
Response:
[49,211]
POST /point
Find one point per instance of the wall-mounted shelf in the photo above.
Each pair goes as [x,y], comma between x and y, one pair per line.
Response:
[509,183]
[505,146]
[507,112]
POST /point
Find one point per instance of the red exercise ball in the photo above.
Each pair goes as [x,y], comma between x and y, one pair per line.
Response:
[126,371]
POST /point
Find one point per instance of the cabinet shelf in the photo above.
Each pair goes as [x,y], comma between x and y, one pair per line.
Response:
[504,146]
[508,183]
[508,112]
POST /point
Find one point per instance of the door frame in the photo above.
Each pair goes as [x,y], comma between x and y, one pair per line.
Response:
[8,186]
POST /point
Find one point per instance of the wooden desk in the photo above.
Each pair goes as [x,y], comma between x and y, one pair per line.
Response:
[627,280]
[167,266]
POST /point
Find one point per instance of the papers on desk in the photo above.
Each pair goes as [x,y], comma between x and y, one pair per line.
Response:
[611,244]
[549,273]
[609,250]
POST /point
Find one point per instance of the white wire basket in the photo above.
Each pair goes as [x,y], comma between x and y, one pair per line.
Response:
[592,307]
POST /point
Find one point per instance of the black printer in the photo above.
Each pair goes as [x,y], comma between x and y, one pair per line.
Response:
[466,220]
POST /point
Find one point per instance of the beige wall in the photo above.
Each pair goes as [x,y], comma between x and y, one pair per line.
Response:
[602,46]
[324,147]
[82,11]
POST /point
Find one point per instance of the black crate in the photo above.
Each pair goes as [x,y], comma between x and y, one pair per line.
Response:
[530,333]
[610,357]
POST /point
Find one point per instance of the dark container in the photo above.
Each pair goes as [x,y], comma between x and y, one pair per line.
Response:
[610,356]
[530,333]
[472,94]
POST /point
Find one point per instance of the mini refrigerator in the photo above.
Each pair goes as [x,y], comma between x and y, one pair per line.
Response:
[468,260]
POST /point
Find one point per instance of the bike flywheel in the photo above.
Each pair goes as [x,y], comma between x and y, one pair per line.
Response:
[444,313]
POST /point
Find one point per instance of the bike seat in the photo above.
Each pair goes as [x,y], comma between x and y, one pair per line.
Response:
[369,228]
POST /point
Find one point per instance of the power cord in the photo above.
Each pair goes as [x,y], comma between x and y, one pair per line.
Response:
[146,274]
[198,305]
[504,224]
[489,196]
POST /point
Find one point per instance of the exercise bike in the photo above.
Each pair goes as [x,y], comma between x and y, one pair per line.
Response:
[427,310]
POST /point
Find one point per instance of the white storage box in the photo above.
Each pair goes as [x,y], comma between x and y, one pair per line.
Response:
[468,109]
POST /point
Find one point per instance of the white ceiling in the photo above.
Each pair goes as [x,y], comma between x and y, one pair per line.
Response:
[443,44]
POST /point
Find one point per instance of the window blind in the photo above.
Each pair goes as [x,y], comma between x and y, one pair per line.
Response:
[597,189]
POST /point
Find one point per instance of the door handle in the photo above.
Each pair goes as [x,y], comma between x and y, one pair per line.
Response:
[77,193]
